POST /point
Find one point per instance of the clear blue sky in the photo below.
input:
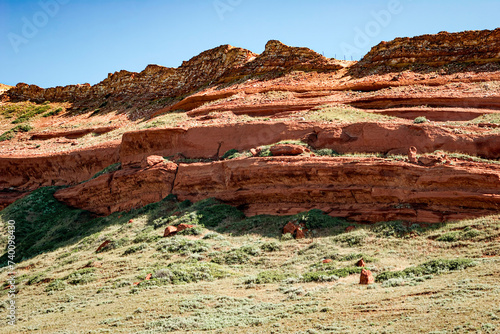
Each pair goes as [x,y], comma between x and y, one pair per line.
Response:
[82,41]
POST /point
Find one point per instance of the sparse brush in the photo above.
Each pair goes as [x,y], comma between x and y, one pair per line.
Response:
[81,276]
[351,239]
[135,249]
[182,246]
[326,152]
[197,230]
[271,246]
[266,277]
[420,120]
[428,268]
[56,285]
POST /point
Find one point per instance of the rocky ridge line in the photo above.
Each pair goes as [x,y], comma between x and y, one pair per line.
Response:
[477,46]
[221,64]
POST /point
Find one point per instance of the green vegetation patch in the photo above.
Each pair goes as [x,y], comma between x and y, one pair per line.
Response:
[221,313]
[110,169]
[181,245]
[336,114]
[8,135]
[31,112]
[187,272]
[420,120]
[44,224]
[434,267]
[54,112]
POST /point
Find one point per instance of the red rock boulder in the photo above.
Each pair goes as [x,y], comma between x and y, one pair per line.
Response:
[287,150]
[299,234]
[169,231]
[361,263]
[182,227]
[104,244]
[366,277]
[290,227]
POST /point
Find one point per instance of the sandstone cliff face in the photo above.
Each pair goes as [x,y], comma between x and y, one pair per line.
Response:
[361,189]
[123,190]
[220,64]
[30,173]
[480,46]
[21,175]
[212,142]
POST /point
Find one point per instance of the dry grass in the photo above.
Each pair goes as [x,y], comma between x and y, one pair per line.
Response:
[343,114]
[209,281]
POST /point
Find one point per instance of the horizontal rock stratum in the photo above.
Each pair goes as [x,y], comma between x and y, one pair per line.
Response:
[360,189]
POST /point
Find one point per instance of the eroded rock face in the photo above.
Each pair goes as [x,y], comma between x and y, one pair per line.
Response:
[361,189]
[220,64]
[278,56]
[30,173]
[367,190]
[122,190]
[213,141]
[287,150]
[479,46]
[25,92]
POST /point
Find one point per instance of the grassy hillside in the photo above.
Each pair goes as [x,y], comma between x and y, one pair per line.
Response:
[233,274]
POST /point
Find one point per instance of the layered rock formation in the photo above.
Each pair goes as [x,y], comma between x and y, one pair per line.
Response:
[480,46]
[30,173]
[123,190]
[23,174]
[280,57]
[429,189]
[72,134]
[213,141]
[361,189]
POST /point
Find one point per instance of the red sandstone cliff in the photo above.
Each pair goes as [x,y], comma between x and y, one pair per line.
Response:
[361,189]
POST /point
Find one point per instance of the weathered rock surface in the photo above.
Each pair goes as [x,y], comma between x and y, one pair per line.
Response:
[287,150]
[397,138]
[479,46]
[221,64]
[169,231]
[361,263]
[122,190]
[360,189]
[364,189]
[32,172]
[206,142]
[214,141]
[73,134]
